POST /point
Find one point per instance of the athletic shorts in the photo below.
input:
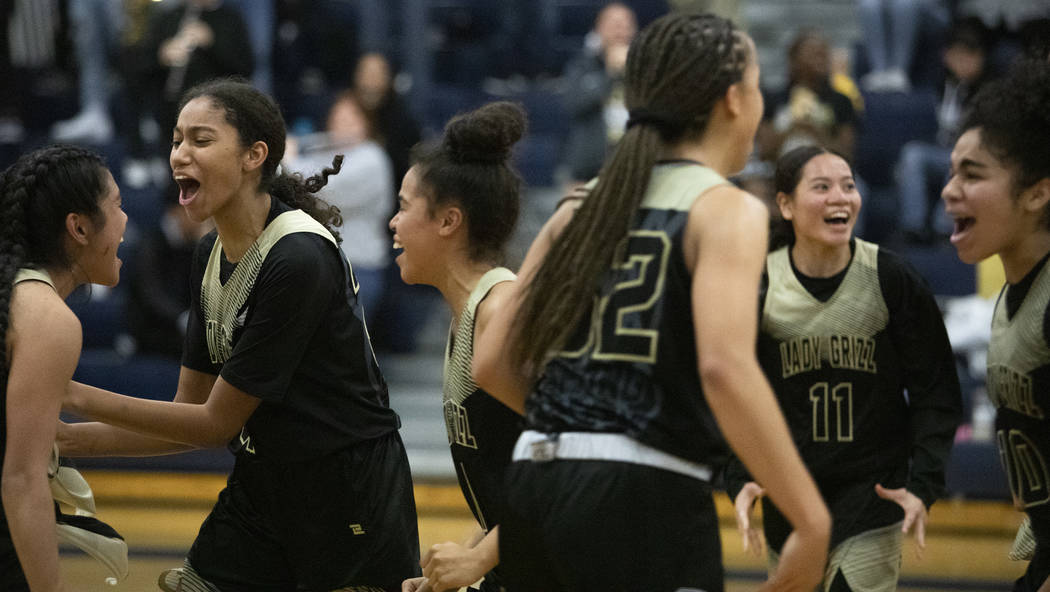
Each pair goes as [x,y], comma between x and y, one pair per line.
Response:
[11,576]
[606,525]
[866,562]
[1037,573]
[347,519]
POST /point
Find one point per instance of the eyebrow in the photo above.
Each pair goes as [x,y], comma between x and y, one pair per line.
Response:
[196,128]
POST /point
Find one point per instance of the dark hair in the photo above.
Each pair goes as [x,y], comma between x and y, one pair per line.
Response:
[256,118]
[1014,122]
[37,192]
[786,178]
[677,69]
[471,167]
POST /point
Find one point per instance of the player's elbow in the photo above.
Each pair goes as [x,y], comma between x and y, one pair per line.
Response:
[718,371]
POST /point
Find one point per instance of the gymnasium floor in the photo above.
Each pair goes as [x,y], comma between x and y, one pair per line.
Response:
[159,513]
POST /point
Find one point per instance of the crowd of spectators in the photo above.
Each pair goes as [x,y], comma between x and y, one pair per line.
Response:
[114,70]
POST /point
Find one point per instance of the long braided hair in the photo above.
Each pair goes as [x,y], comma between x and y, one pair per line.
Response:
[677,69]
[256,117]
[36,194]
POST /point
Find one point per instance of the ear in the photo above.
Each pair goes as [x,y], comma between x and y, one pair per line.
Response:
[734,99]
[78,227]
[784,205]
[1035,198]
[451,219]
[256,155]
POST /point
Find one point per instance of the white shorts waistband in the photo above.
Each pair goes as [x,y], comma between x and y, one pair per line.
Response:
[539,447]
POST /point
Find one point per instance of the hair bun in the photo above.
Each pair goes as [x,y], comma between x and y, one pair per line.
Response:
[486,134]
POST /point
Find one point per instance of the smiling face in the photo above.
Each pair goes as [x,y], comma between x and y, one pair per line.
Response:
[416,231]
[99,258]
[207,159]
[824,205]
[980,197]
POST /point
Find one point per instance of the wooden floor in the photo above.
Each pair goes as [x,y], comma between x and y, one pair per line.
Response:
[159,513]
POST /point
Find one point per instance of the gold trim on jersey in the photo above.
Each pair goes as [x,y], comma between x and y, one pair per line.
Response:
[838,333]
[458,383]
[26,274]
[1018,347]
[677,186]
[220,302]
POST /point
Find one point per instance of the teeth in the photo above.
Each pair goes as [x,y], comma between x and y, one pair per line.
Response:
[397,245]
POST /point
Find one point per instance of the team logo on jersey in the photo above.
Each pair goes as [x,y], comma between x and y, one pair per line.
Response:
[457,422]
[808,353]
[357,529]
[1013,390]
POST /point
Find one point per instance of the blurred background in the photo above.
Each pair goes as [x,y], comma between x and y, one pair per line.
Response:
[884,81]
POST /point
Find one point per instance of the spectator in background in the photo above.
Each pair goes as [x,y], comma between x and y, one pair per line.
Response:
[808,110]
[159,299]
[891,32]
[594,97]
[362,191]
[923,166]
[96,30]
[392,124]
[194,42]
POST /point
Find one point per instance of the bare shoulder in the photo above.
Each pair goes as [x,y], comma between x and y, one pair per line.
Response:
[727,218]
[728,200]
[39,315]
[499,296]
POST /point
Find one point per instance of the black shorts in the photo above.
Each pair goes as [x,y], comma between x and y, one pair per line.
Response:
[1038,570]
[11,576]
[345,519]
[601,525]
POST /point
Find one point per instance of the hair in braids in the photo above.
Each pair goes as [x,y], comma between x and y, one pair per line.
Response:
[257,118]
[37,192]
[677,69]
[471,168]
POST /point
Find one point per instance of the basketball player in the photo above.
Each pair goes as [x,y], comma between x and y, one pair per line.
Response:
[631,337]
[277,363]
[999,196]
[855,347]
[458,207]
[60,226]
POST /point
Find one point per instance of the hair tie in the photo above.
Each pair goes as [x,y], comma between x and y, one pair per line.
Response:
[665,122]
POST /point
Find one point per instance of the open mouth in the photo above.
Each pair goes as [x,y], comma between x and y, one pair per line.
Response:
[837,219]
[963,224]
[188,188]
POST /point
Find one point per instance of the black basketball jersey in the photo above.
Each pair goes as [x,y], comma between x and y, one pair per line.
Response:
[865,377]
[1019,387]
[630,366]
[481,430]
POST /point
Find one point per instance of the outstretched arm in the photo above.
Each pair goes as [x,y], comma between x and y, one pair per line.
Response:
[43,347]
[103,439]
[207,424]
[725,248]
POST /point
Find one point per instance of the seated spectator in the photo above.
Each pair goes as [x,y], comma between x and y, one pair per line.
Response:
[808,110]
[159,298]
[362,190]
[923,166]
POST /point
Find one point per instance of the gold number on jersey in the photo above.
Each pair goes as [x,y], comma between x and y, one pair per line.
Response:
[842,396]
[621,327]
[1025,468]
